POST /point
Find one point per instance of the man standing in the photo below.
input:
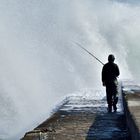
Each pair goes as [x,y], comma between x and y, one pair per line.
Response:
[110,72]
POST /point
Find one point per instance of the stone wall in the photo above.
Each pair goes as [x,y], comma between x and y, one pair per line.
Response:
[131,101]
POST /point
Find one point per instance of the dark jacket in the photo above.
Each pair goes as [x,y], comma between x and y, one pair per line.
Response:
[110,72]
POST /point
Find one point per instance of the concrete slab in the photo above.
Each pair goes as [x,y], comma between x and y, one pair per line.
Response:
[132,109]
[83,119]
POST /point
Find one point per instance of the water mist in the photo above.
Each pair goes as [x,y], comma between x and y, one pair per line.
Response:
[41,64]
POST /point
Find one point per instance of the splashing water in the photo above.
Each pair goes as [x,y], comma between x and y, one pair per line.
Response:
[40,63]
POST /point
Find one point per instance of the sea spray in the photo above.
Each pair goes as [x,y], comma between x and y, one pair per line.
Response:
[40,64]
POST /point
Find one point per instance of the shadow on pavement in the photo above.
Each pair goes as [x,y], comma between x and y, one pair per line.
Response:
[109,126]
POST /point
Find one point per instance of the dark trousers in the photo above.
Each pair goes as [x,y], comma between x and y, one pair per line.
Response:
[111,93]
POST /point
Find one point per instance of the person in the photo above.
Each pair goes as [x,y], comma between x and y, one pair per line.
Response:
[110,72]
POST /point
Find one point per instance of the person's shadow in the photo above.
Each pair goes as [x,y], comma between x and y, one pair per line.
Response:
[108,126]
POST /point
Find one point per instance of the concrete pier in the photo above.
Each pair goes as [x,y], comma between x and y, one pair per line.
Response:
[87,119]
[131,100]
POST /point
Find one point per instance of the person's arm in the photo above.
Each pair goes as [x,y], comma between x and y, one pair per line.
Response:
[103,76]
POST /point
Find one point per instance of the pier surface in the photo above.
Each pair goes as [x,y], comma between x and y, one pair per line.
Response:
[81,118]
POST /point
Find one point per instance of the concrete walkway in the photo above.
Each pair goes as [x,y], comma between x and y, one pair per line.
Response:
[83,119]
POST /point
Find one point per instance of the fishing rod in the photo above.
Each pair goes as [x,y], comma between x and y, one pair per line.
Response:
[89,52]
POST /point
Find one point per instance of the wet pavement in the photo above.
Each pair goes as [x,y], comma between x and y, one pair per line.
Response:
[83,118]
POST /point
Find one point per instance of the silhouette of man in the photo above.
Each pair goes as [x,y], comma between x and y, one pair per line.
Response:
[110,72]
